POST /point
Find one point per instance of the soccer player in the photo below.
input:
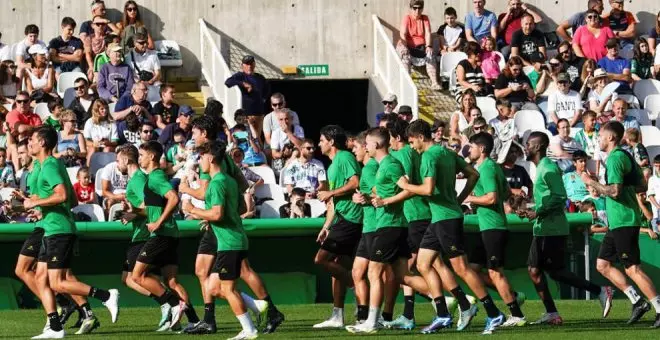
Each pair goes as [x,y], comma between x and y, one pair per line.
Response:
[389,247]
[490,192]
[624,180]
[546,254]
[438,170]
[204,130]
[54,196]
[222,199]
[341,231]
[160,250]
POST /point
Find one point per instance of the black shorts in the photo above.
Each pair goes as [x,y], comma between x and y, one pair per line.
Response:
[547,252]
[343,238]
[160,251]
[59,250]
[389,244]
[364,247]
[132,253]
[32,244]
[208,244]
[416,231]
[490,248]
[228,264]
[622,244]
[446,237]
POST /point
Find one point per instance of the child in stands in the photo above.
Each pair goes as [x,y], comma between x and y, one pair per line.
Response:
[638,150]
[490,61]
[451,33]
[7,178]
[84,188]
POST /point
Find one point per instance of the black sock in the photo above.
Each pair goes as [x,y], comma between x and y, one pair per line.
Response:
[548,303]
[155,298]
[409,307]
[191,314]
[271,304]
[98,293]
[161,299]
[62,300]
[490,307]
[172,299]
[209,313]
[441,307]
[387,316]
[514,308]
[87,310]
[425,297]
[363,312]
[54,322]
[459,294]
[573,280]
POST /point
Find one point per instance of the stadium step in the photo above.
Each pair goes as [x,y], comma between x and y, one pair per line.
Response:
[184,84]
[432,104]
[194,99]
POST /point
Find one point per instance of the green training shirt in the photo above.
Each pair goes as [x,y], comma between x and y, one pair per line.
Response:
[367,182]
[550,199]
[442,165]
[389,172]
[135,196]
[491,179]
[343,167]
[223,191]
[624,210]
[415,208]
[154,200]
[57,219]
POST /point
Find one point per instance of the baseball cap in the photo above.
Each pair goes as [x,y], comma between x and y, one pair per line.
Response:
[391,97]
[537,57]
[248,59]
[599,73]
[563,77]
[405,110]
[612,43]
[37,49]
[186,110]
[114,47]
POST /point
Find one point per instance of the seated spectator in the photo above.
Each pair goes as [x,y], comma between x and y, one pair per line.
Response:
[23,56]
[82,104]
[253,180]
[516,175]
[514,85]
[278,103]
[638,151]
[653,191]
[451,33]
[490,61]
[596,103]
[572,64]
[563,146]
[619,108]
[527,40]
[390,103]
[22,116]
[7,177]
[547,83]
[296,208]
[131,23]
[576,190]
[115,77]
[182,122]
[579,19]
[95,42]
[287,133]
[480,22]
[243,137]
[71,147]
[100,131]
[104,57]
[415,42]
[129,130]
[586,79]
[511,22]
[623,24]
[41,76]
[214,108]
[653,34]
[147,133]
[166,110]
[56,108]
[540,70]
[504,124]
[460,120]
[9,83]
[305,172]
[617,68]
[589,40]
[405,113]
[84,188]
[66,51]
[438,131]
[587,137]
[145,64]
[87,28]
[469,74]
[179,153]
[114,178]
[254,90]
[479,124]
[134,102]
[565,103]
[641,65]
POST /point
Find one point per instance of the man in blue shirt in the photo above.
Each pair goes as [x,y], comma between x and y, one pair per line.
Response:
[617,68]
[135,102]
[254,88]
[480,23]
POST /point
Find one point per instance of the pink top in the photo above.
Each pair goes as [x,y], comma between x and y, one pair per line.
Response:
[593,47]
[490,64]
[416,29]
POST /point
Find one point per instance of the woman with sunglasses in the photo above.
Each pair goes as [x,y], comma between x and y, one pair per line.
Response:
[131,23]
[70,143]
[9,82]
[589,40]
[41,76]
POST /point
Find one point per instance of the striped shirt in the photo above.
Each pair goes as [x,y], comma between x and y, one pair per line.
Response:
[473,75]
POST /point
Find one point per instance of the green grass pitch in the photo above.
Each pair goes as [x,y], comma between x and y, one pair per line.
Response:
[581,321]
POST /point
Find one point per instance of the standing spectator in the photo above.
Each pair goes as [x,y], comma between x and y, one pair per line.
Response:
[182,122]
[287,133]
[415,41]
[527,40]
[469,74]
[9,82]
[596,103]
[7,177]
[115,78]
[572,64]
[623,25]
[576,190]
[562,146]
[451,33]
[514,85]
[84,189]
[70,143]
[511,21]
[579,19]
[460,120]
[390,102]
[641,66]
[41,76]
[166,110]
[278,103]
[23,56]
[56,108]
[22,116]
[565,103]
[480,22]
[95,42]
[305,172]
[587,137]
[82,104]
[589,40]
[134,102]
[145,64]
[617,68]
[100,131]
[131,23]
[619,108]
[296,207]
[98,10]
[653,34]
[254,88]
[490,60]
[114,178]
[66,51]
[638,151]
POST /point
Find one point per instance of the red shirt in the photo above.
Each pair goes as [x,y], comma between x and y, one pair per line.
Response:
[83,194]
[512,26]
[417,29]
[31,119]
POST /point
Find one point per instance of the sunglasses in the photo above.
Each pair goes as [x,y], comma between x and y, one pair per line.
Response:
[78,88]
[277,104]
[388,103]
[592,16]
[131,9]
[565,52]
[13,67]
[147,131]
[22,101]
[310,148]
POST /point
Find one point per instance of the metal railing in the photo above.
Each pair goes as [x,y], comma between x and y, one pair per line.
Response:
[216,71]
[389,67]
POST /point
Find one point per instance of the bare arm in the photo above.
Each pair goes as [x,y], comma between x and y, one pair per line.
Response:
[562,31]
[352,184]
[469,36]
[424,189]
[212,215]
[472,177]
[651,42]
[50,84]
[611,190]
[106,192]
[59,196]
[198,193]
[624,76]
[578,50]
[502,93]
[536,16]
[485,200]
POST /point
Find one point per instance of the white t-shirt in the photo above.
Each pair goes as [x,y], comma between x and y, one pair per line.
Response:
[279,138]
[504,130]
[271,123]
[22,48]
[564,105]
[657,59]
[452,34]
[147,61]
[118,181]
[654,190]
[5,52]
[105,130]
[85,103]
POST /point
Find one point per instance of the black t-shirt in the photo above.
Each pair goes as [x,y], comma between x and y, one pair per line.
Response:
[517,177]
[527,44]
[169,115]
[503,82]
[574,70]
[66,47]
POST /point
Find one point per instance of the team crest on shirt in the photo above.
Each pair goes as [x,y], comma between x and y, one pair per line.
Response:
[378,252]
[493,258]
[30,248]
[453,248]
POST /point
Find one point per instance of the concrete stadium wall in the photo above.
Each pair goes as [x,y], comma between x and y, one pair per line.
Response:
[278,32]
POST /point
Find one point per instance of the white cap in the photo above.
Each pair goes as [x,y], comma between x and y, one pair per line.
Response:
[390,97]
[38,49]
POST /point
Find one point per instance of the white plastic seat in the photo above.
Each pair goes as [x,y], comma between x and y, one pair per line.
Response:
[73,173]
[318,207]
[652,105]
[101,159]
[641,115]
[502,62]
[271,209]
[653,151]
[449,61]
[266,173]
[13,50]
[529,120]
[645,88]
[94,211]
[66,80]
[488,107]
[650,135]
[42,111]
[113,211]
[98,186]
[273,191]
[173,51]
